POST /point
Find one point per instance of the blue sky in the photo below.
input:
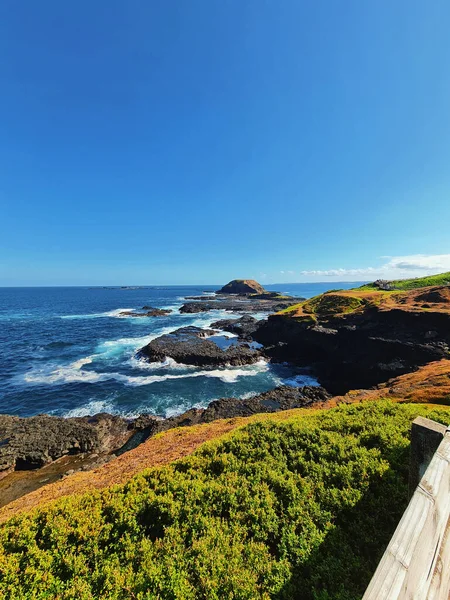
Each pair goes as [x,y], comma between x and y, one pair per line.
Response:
[197,141]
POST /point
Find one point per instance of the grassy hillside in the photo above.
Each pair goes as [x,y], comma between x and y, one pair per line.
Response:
[301,508]
[342,302]
[412,284]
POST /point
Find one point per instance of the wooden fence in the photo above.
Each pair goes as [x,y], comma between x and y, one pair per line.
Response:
[416,563]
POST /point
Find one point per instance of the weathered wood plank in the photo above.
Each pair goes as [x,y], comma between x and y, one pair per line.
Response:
[426,435]
[416,564]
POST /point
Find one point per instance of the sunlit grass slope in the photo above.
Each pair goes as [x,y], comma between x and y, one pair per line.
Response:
[417,282]
[300,508]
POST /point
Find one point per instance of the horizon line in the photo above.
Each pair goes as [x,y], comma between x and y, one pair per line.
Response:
[158,285]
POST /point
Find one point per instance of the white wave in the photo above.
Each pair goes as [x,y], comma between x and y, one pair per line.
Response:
[74,373]
[248,395]
[111,347]
[300,381]
[228,374]
[83,361]
[61,374]
[168,363]
[92,408]
[221,333]
[110,313]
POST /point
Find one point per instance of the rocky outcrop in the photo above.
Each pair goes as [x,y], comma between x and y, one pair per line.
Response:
[243,327]
[240,304]
[242,287]
[30,443]
[34,442]
[190,346]
[281,398]
[361,340]
[196,307]
[149,312]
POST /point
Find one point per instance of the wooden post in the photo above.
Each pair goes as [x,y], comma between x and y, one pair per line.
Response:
[426,435]
[416,564]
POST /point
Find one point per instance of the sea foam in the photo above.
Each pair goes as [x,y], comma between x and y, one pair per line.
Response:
[110,313]
[74,373]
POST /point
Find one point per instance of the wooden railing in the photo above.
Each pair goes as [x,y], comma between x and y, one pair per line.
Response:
[416,563]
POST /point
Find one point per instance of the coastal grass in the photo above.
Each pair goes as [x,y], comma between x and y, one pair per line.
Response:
[412,284]
[341,303]
[330,304]
[284,509]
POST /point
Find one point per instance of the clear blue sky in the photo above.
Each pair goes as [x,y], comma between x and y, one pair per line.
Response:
[193,141]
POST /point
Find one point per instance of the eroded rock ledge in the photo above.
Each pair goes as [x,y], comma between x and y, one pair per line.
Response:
[30,443]
[359,338]
[34,442]
[192,346]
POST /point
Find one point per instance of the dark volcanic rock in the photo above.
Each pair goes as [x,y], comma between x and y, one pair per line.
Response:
[240,304]
[30,443]
[150,312]
[243,327]
[195,307]
[33,442]
[358,350]
[242,286]
[190,346]
[281,398]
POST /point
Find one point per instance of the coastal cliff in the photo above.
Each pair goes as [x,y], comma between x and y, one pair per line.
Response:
[360,338]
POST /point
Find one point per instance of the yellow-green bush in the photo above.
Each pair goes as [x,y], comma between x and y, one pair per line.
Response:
[296,509]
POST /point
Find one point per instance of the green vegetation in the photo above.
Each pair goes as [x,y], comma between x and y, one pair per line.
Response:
[332,304]
[290,309]
[324,305]
[412,284]
[301,508]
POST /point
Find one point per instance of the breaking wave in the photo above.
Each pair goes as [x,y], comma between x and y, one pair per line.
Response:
[110,313]
[74,372]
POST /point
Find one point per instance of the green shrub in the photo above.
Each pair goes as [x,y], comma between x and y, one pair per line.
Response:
[296,509]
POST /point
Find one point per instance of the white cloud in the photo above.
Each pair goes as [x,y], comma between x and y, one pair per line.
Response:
[339,272]
[418,262]
[396,267]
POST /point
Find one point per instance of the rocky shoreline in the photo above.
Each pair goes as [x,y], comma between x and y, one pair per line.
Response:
[42,449]
[354,340]
[363,346]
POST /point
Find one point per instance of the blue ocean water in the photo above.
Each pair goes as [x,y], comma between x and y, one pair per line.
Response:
[66,351]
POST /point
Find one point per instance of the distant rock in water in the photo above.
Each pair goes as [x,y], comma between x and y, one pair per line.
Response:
[149,312]
[242,287]
[190,346]
[241,303]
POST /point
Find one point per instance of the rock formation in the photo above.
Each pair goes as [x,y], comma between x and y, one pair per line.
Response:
[242,287]
[30,443]
[357,339]
[243,327]
[149,312]
[190,346]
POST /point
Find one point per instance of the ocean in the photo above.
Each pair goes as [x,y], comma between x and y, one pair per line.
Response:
[66,351]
